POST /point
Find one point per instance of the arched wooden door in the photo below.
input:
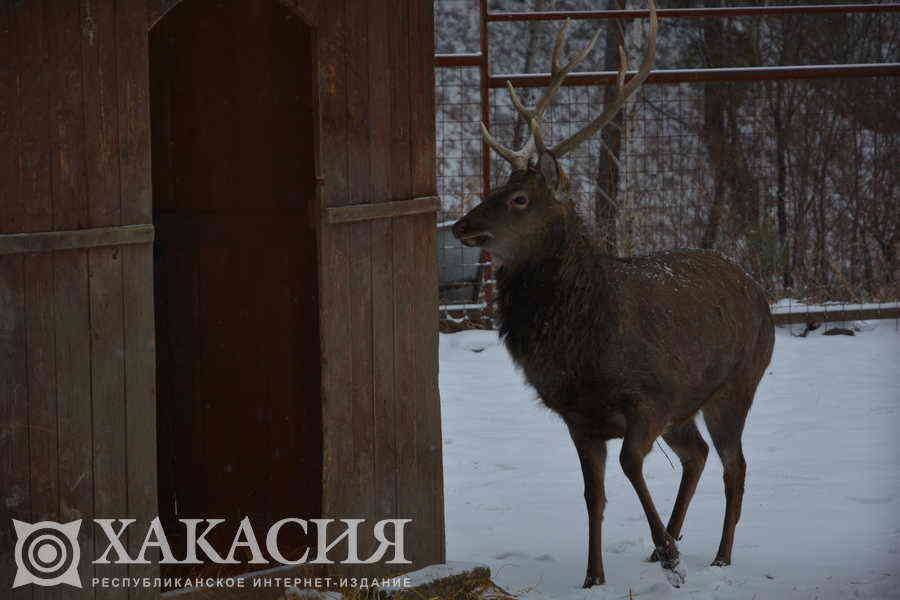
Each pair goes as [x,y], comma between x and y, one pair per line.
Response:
[238,356]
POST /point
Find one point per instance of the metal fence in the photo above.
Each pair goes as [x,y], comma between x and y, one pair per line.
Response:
[789,169]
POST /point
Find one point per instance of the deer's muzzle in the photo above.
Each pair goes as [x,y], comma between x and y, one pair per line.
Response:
[469,236]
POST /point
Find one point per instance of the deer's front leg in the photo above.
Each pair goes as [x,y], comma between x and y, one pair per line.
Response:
[638,440]
[592,454]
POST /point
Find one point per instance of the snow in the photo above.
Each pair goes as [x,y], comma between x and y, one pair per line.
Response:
[821,516]
[461,306]
[434,573]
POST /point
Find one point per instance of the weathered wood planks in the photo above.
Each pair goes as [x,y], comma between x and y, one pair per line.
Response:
[425,299]
[381,123]
[77,324]
[94,237]
[377,262]
[68,173]
[334,257]
[373,211]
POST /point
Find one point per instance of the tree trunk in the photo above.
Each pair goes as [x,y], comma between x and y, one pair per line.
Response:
[780,132]
[798,256]
[714,138]
[897,269]
[521,132]
[821,260]
[714,133]
[606,197]
[743,186]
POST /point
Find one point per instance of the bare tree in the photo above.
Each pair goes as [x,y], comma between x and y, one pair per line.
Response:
[612,148]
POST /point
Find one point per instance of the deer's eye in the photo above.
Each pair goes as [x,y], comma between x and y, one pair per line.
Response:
[520,200]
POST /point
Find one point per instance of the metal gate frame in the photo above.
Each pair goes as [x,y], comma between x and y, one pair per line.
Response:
[488,81]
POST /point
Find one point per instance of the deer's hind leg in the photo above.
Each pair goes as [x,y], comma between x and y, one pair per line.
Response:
[725,422]
[692,451]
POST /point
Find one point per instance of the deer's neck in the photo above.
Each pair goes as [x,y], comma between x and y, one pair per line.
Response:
[530,290]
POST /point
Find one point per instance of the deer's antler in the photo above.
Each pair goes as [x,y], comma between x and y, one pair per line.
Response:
[533,116]
[519,160]
[625,90]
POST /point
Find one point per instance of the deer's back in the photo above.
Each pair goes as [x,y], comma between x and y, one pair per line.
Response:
[680,324]
[694,313]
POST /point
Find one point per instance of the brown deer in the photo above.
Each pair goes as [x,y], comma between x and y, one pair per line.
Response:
[628,348]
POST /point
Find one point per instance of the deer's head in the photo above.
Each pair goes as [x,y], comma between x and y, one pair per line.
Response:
[513,216]
[509,219]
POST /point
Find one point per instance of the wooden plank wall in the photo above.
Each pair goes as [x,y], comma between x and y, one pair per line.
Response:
[76,337]
[379,279]
[77,404]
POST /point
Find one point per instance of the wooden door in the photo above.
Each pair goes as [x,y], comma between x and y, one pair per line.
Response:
[233,129]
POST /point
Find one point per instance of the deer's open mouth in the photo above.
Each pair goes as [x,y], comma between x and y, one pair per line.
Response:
[476,239]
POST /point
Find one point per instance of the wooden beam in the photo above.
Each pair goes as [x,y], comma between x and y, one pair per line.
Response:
[48,241]
[831,316]
[381,210]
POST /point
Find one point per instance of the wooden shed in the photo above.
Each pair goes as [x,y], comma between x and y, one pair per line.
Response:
[248,326]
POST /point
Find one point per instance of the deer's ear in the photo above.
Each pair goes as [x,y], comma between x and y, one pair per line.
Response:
[549,169]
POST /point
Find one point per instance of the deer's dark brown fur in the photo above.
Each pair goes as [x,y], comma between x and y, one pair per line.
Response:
[628,348]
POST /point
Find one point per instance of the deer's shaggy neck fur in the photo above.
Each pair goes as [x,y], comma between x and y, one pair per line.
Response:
[565,279]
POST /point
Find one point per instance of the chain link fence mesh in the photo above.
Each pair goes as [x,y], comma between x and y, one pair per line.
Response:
[796,180]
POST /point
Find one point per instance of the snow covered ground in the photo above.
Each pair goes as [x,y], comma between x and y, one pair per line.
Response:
[821,514]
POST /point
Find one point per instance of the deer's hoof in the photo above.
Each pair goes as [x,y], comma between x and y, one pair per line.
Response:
[592,580]
[720,562]
[676,576]
[668,555]
[670,560]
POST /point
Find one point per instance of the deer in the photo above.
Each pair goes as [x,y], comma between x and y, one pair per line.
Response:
[621,347]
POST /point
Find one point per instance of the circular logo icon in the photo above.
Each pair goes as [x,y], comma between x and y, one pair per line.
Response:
[47,553]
